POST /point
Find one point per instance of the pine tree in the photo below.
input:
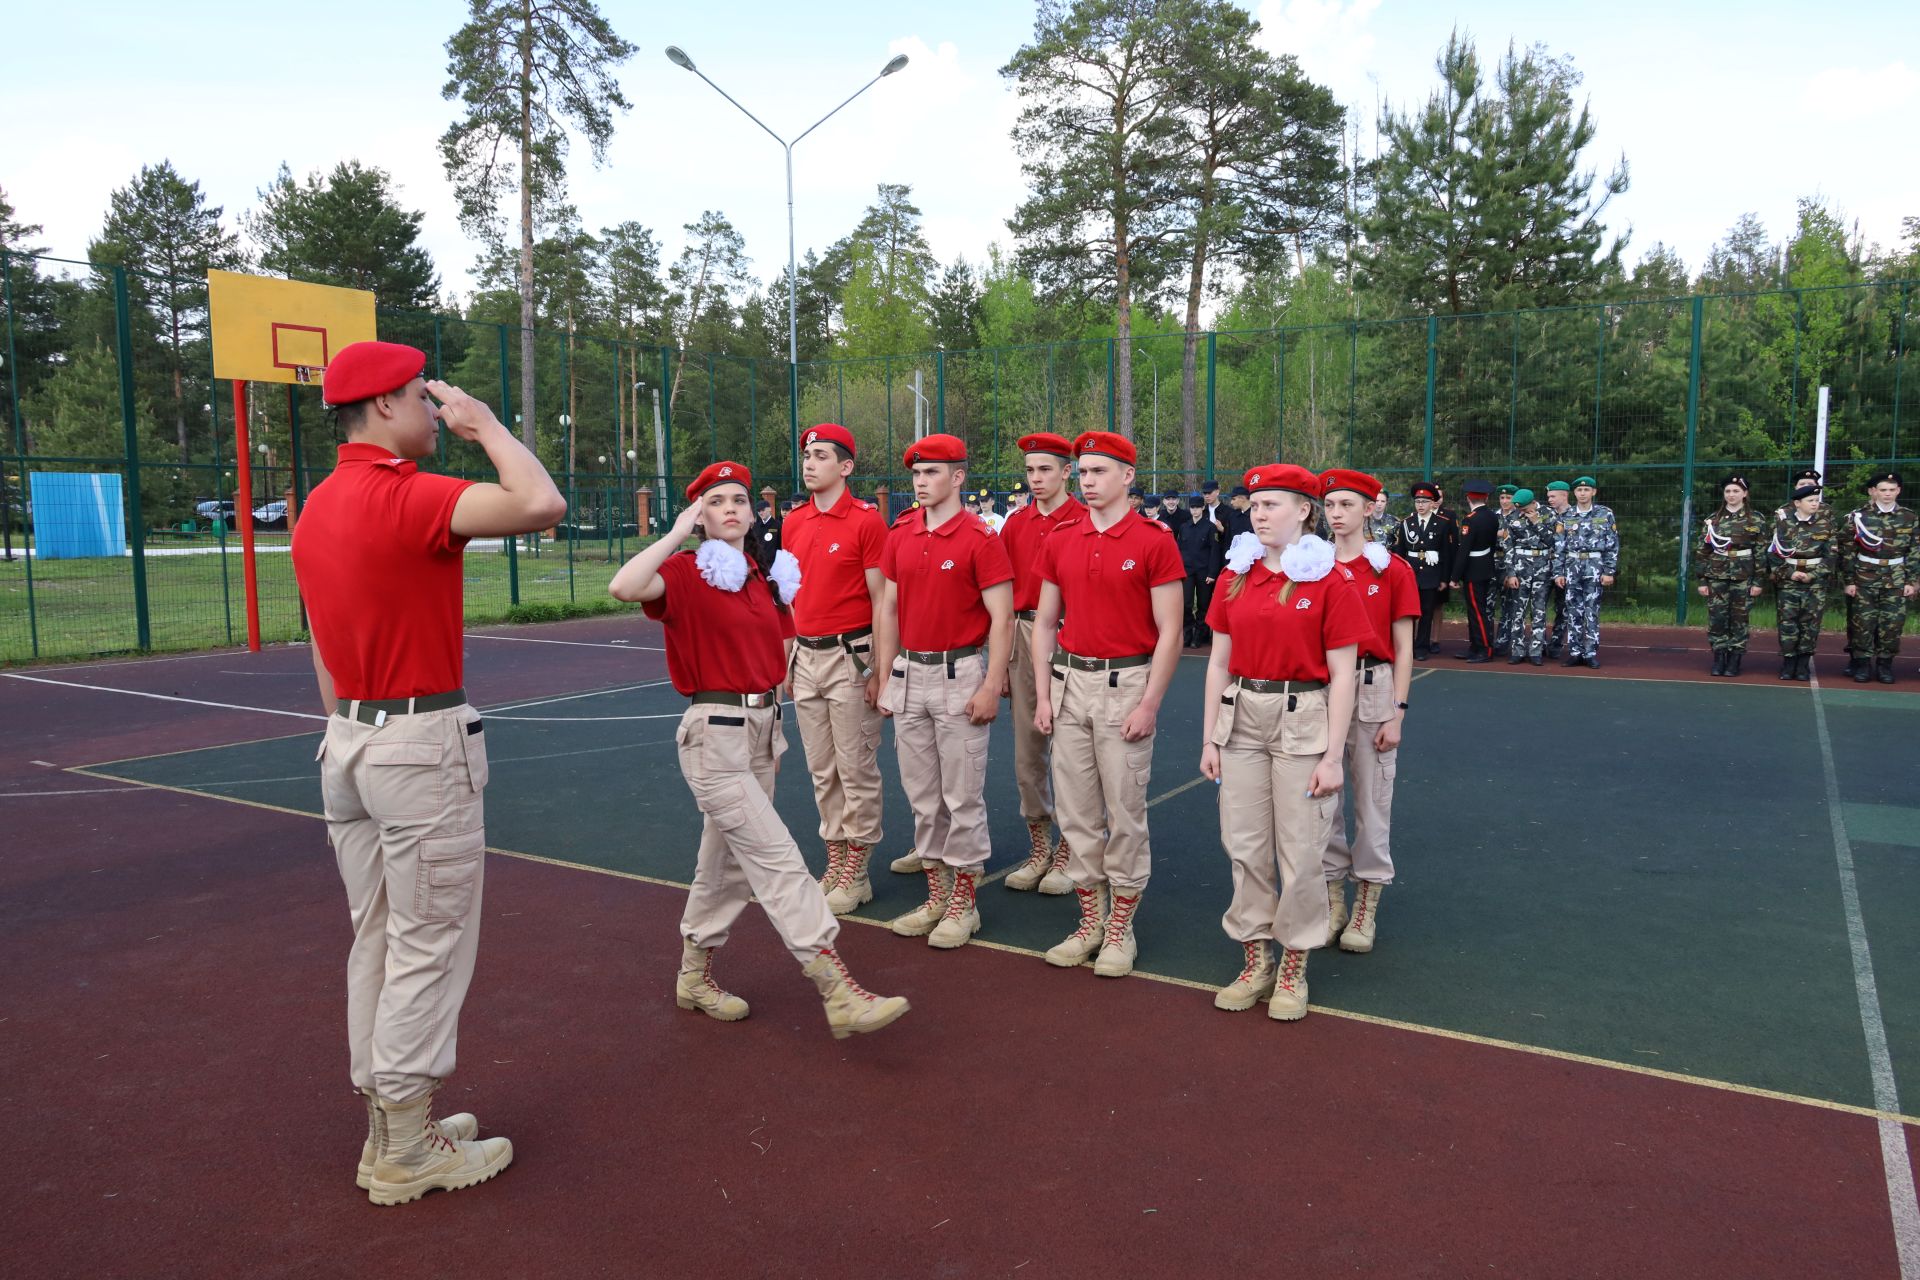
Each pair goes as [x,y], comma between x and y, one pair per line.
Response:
[345,228]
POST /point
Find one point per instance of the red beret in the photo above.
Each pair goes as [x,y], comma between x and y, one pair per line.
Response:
[1106,442]
[1357,481]
[936,448]
[1046,442]
[1284,475]
[829,433]
[363,370]
[1427,489]
[717,474]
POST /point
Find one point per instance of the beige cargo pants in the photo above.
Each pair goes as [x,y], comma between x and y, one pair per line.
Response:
[1370,782]
[1099,778]
[841,736]
[1030,766]
[943,757]
[728,756]
[405,815]
[1274,833]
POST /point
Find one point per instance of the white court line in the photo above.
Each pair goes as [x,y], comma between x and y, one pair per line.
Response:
[663,715]
[582,644]
[85,791]
[1886,1093]
[163,697]
[572,697]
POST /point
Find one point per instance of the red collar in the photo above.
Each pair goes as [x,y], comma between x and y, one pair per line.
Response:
[1117,529]
[946,530]
[373,453]
[838,510]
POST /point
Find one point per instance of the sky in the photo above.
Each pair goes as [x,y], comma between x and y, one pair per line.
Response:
[1720,109]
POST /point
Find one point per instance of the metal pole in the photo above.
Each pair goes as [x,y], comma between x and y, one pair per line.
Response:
[1793,390]
[1599,381]
[136,521]
[439,371]
[1110,386]
[996,413]
[1433,342]
[243,511]
[1820,434]
[1353,383]
[1213,353]
[573,519]
[663,436]
[940,390]
[1280,395]
[1686,475]
[1899,366]
[1513,395]
[13,359]
[506,411]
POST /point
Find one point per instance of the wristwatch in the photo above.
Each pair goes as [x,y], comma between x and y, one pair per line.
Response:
[1400,705]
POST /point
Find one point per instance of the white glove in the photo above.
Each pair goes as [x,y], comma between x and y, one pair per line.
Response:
[1433,557]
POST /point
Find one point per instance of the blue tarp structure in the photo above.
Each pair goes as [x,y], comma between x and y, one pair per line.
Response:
[77,515]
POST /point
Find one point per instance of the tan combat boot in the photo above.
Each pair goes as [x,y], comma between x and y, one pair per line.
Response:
[1117,951]
[1255,982]
[1336,909]
[1055,881]
[850,1008]
[854,888]
[1358,935]
[1289,1002]
[961,920]
[416,1156]
[1039,856]
[920,921]
[908,863]
[460,1126]
[836,855]
[1080,945]
[696,989]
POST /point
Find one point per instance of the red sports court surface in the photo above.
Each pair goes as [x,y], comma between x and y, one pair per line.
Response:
[172,1060]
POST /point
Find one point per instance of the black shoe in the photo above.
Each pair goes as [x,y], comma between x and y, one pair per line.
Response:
[1479,658]
[1516,659]
[1788,668]
[1803,667]
[1535,659]
[1862,670]
[1553,651]
[1733,661]
[1571,661]
[1500,650]
[1594,661]
[1719,662]
[1883,671]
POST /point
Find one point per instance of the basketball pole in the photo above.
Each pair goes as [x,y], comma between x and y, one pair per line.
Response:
[243,511]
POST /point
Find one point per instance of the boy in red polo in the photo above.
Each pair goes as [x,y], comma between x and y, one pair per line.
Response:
[1049,465]
[1391,599]
[948,592]
[1117,576]
[837,538]
[378,557]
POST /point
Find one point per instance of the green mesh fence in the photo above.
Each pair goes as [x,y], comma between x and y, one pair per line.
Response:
[1656,399]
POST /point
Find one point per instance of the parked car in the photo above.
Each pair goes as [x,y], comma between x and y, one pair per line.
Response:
[210,509]
[271,516]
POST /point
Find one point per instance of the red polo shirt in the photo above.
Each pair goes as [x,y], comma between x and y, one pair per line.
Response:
[835,549]
[1106,582]
[940,575]
[720,641]
[1386,597]
[379,568]
[1023,533]
[1275,639]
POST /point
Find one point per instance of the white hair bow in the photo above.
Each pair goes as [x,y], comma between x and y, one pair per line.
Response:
[722,566]
[1377,556]
[1307,560]
[786,575]
[1243,551]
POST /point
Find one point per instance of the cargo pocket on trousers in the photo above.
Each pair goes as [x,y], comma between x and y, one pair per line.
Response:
[1223,718]
[404,778]
[473,743]
[724,744]
[1373,703]
[895,695]
[1388,762]
[964,683]
[1303,726]
[1056,690]
[1125,688]
[449,869]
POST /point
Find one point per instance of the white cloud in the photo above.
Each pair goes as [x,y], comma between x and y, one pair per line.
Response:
[1850,93]
[1331,38]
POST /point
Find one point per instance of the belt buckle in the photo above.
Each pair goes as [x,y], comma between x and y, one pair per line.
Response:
[1088,664]
[1258,686]
[754,700]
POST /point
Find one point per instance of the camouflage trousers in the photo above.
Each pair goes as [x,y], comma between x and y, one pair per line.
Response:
[1510,608]
[1557,637]
[1528,635]
[1728,602]
[1875,616]
[1583,608]
[1802,604]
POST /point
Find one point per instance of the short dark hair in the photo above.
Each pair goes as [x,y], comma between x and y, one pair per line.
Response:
[350,417]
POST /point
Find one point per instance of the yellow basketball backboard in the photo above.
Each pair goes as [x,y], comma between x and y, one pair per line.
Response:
[268,330]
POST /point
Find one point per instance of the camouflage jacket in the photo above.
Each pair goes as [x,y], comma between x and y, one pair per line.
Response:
[1732,547]
[1872,534]
[1592,530]
[1810,542]
[1822,516]
[1521,541]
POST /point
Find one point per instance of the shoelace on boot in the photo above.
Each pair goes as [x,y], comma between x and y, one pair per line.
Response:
[706,975]
[1038,854]
[836,865]
[1362,903]
[1060,855]
[936,881]
[1256,952]
[1120,919]
[960,901]
[1290,968]
[853,988]
[1089,912]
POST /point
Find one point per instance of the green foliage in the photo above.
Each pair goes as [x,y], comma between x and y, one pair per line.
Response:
[345,228]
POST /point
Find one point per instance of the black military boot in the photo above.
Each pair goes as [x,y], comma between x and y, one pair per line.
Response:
[1803,667]
[1883,670]
[1861,669]
[1789,668]
[1733,661]
[1719,662]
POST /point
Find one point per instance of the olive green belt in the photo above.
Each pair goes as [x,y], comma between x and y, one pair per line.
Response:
[376,711]
[721,698]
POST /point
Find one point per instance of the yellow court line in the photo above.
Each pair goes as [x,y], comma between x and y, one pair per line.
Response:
[187,751]
[1462,1037]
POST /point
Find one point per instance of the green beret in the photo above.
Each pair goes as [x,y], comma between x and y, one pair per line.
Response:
[1588,481]
[1561,485]
[1511,490]
[1521,497]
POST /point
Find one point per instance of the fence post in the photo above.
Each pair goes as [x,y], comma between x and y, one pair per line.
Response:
[20,449]
[439,371]
[1513,394]
[13,360]
[1599,381]
[136,521]
[506,411]
[666,430]
[568,425]
[1899,367]
[793,418]
[1793,390]
[1353,383]
[1213,354]
[940,389]
[1110,349]
[1280,396]
[996,414]
[1686,474]
[1433,340]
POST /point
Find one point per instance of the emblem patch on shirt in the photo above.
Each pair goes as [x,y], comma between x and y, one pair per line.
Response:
[1305,602]
[1126,566]
[1373,588]
[832,547]
[946,564]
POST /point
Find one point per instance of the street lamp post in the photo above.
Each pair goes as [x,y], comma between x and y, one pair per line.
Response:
[679,58]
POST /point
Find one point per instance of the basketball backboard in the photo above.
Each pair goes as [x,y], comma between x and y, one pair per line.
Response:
[268,330]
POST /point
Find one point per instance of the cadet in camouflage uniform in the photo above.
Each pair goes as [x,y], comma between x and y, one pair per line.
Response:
[1586,555]
[1878,545]
[1802,556]
[1732,560]
[1506,606]
[1559,497]
[1527,555]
